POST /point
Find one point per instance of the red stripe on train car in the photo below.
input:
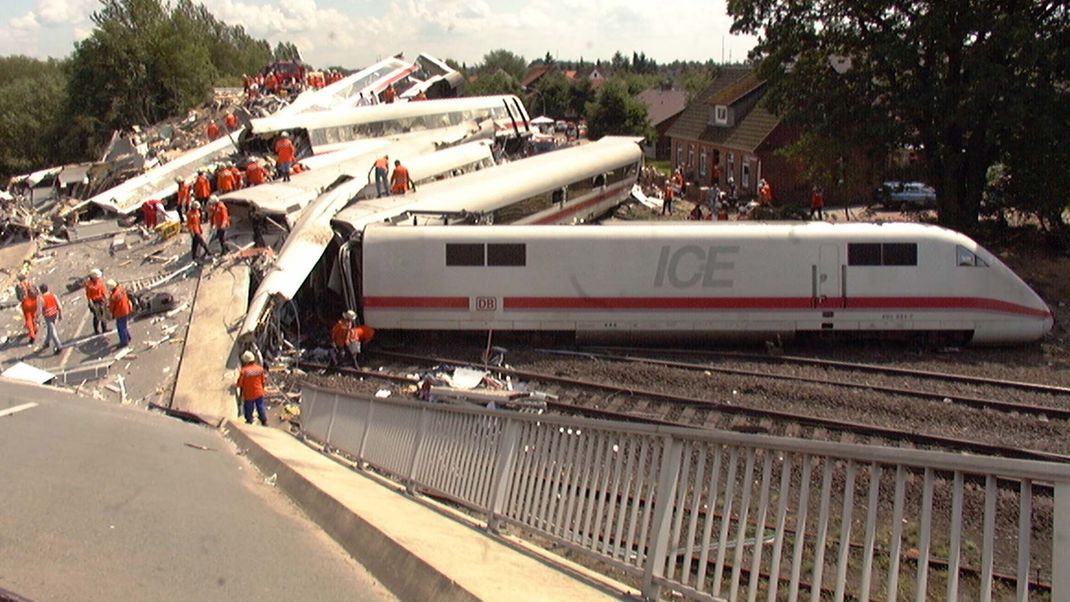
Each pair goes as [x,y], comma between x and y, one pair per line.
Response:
[944,303]
[552,219]
[416,303]
[621,303]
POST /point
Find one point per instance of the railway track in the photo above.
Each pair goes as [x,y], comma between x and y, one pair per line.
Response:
[1030,409]
[620,402]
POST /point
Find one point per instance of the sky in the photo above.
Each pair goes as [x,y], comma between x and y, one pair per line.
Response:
[355,33]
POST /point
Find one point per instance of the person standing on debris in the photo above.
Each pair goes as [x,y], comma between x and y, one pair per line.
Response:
[231,121]
[26,293]
[666,201]
[182,198]
[381,167]
[97,294]
[255,174]
[344,336]
[202,187]
[400,183]
[220,217]
[765,192]
[390,94]
[119,304]
[150,212]
[817,204]
[193,223]
[420,96]
[252,380]
[52,311]
[224,180]
[212,130]
[284,149]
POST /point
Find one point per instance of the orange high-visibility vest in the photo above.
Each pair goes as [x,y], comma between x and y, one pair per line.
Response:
[252,380]
[51,304]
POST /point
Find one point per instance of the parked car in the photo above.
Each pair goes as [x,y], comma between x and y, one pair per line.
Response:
[894,194]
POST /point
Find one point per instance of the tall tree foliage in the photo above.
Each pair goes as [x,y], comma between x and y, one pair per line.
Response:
[502,60]
[616,110]
[32,96]
[146,61]
[955,79]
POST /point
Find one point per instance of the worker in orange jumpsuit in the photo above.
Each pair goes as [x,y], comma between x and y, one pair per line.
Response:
[196,231]
[285,152]
[53,312]
[765,193]
[121,308]
[271,83]
[400,182]
[202,187]
[231,121]
[390,94]
[220,217]
[26,293]
[212,130]
[344,338]
[239,177]
[224,180]
[252,382]
[96,293]
[817,204]
[150,212]
[420,96]
[255,173]
[182,198]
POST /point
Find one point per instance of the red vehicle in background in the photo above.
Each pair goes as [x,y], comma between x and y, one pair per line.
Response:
[291,74]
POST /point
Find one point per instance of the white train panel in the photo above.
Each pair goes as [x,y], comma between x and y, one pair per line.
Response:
[695,278]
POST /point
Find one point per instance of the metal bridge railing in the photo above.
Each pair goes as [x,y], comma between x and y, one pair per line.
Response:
[719,515]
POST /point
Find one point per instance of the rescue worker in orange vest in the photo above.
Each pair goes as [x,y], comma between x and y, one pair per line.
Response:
[765,193]
[220,217]
[381,167]
[817,204]
[284,149]
[224,180]
[252,381]
[666,202]
[150,212]
[255,173]
[390,94]
[202,187]
[212,130]
[238,175]
[182,198]
[420,96]
[52,311]
[342,335]
[272,83]
[231,121]
[193,223]
[27,295]
[400,182]
[121,308]
[97,295]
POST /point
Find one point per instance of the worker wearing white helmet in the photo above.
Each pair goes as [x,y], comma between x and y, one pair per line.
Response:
[196,231]
[343,338]
[97,296]
[252,380]
[285,154]
[120,306]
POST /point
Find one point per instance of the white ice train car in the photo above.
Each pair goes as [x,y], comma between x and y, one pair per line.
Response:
[647,280]
[325,131]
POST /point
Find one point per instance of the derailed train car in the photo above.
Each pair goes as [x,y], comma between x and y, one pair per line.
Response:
[656,281]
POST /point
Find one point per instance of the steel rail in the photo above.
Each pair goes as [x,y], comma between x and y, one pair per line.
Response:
[947,376]
[812,421]
[976,402]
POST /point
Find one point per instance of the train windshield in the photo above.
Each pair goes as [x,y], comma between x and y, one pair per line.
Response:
[967,258]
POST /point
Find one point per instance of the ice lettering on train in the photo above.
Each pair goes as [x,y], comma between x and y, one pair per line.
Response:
[692,265]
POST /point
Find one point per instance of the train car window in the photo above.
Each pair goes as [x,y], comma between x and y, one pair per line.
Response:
[863,253]
[899,253]
[506,254]
[463,254]
[966,258]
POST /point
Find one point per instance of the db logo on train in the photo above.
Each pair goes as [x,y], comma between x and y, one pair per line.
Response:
[486,304]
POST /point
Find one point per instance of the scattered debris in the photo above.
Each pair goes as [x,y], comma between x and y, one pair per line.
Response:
[27,373]
[200,447]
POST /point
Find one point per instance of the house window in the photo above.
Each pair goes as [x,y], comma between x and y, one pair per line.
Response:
[745,179]
[720,115]
[731,164]
[702,163]
[680,156]
[690,155]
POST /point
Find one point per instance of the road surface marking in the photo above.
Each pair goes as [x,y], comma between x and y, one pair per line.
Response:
[20,408]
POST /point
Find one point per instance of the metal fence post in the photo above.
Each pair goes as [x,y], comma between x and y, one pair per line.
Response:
[367,429]
[1060,541]
[414,459]
[658,541]
[503,472]
[330,425]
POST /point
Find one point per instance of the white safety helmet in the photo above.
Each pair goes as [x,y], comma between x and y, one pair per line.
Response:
[112,284]
[180,180]
[350,315]
[95,273]
[285,134]
[195,204]
[213,199]
[247,357]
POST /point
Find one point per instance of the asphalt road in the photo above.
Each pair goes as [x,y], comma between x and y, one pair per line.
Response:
[102,502]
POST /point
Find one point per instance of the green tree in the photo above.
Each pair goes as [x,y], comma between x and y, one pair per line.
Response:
[498,82]
[952,78]
[32,97]
[616,110]
[552,96]
[286,51]
[502,60]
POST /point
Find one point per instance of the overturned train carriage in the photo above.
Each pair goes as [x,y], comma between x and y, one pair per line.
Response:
[646,281]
